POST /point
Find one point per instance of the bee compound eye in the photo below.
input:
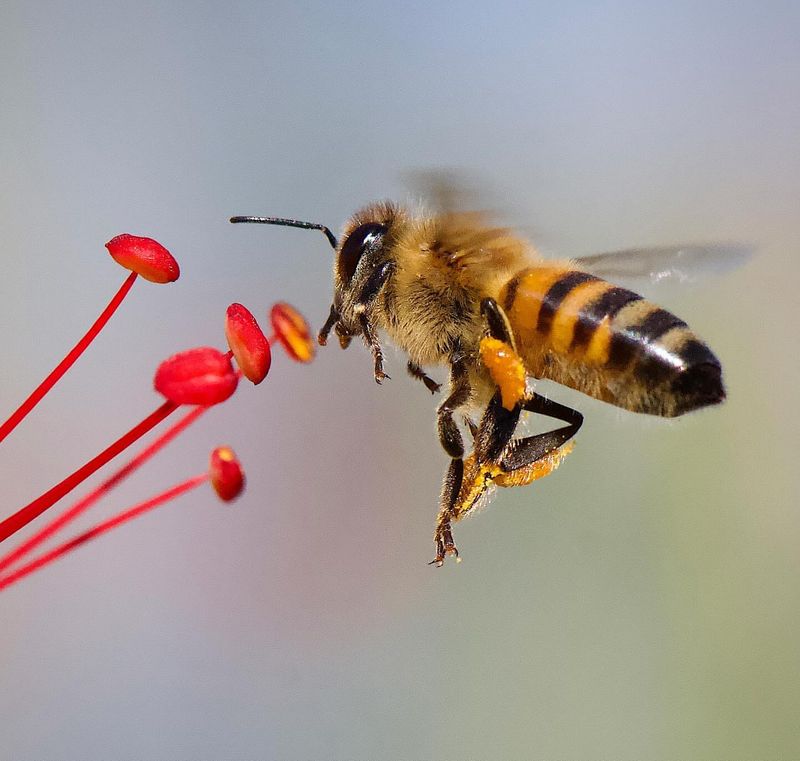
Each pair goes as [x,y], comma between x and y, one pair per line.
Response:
[363,238]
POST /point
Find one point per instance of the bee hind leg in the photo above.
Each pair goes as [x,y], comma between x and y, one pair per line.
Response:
[524,453]
[443,536]
[526,460]
[497,323]
[466,481]
[472,425]
[500,459]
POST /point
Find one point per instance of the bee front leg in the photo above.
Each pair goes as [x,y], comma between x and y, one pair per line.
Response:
[333,318]
[366,298]
[371,340]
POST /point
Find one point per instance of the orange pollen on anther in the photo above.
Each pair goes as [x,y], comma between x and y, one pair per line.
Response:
[293,332]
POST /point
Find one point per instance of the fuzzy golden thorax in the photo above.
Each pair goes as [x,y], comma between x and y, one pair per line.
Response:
[442,267]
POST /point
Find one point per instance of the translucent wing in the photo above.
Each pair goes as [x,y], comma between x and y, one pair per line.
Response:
[667,264]
[447,191]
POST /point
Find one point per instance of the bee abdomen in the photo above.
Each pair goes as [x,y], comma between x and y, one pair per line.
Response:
[609,342]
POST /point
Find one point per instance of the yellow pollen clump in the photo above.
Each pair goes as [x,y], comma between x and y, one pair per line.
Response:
[506,368]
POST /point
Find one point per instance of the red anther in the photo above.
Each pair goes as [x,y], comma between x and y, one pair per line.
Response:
[226,474]
[197,376]
[144,256]
[248,343]
[292,331]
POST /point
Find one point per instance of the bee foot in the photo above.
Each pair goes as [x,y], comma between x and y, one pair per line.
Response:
[444,547]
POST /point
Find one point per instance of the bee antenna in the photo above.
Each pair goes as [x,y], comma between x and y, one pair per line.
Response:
[290,223]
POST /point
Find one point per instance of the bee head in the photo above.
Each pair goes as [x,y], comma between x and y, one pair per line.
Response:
[358,249]
[362,250]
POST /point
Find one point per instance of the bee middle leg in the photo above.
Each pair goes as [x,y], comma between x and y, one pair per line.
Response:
[415,371]
[460,390]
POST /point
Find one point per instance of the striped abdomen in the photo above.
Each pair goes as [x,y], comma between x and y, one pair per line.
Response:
[608,342]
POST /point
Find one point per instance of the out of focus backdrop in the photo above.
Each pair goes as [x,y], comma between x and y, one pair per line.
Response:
[641,603]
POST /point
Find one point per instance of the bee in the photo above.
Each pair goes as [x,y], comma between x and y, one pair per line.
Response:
[451,289]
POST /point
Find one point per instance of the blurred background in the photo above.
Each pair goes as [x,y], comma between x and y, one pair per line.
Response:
[641,603]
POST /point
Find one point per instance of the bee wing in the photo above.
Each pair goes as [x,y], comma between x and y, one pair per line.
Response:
[447,190]
[673,265]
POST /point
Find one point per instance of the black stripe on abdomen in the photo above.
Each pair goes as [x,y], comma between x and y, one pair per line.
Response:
[637,338]
[606,305]
[511,290]
[556,294]
[695,352]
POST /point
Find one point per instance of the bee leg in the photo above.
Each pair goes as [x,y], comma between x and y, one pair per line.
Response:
[371,340]
[497,323]
[449,435]
[415,371]
[500,459]
[443,536]
[366,298]
[472,425]
[524,453]
[345,337]
[466,481]
[333,318]
[495,430]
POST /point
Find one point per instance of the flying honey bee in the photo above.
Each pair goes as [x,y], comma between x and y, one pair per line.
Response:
[450,289]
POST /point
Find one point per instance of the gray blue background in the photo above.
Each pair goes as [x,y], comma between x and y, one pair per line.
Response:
[641,603]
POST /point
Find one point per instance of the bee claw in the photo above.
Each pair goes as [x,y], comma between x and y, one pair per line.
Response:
[443,549]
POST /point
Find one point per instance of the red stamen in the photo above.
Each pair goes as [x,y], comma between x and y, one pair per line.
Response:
[198,376]
[86,502]
[68,361]
[248,343]
[102,528]
[145,256]
[227,476]
[25,515]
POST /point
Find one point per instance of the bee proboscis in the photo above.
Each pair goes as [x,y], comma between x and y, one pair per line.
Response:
[452,290]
